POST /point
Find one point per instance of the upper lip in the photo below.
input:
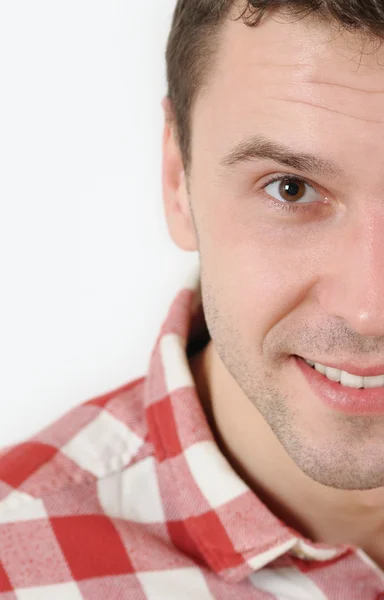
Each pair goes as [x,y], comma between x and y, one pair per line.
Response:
[352,368]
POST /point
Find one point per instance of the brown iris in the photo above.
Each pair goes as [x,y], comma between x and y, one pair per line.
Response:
[292,189]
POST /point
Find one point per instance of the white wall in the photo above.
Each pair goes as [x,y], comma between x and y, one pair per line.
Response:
[86,263]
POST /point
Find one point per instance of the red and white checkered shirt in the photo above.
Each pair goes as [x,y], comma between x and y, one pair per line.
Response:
[127,496]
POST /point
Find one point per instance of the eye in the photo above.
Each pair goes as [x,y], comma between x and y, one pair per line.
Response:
[291,190]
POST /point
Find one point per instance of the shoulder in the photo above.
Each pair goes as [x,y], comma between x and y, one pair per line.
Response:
[90,442]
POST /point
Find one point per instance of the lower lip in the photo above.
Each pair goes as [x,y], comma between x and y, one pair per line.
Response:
[350,401]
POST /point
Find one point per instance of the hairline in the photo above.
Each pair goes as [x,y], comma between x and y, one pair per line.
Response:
[311,17]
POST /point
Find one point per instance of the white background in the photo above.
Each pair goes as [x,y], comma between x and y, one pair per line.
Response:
[87,267]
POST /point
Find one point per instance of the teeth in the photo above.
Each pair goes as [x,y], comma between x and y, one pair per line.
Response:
[347,379]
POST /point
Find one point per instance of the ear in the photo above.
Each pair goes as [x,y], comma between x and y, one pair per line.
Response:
[175,193]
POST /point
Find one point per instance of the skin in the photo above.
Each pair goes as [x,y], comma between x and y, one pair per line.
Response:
[276,283]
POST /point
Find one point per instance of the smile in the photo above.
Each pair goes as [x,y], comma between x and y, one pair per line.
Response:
[347,379]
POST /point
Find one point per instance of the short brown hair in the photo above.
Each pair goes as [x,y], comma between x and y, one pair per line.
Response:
[194,36]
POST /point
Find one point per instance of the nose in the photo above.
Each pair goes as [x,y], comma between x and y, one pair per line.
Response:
[353,288]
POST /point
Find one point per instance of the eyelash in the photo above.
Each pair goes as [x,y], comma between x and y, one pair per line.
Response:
[291,208]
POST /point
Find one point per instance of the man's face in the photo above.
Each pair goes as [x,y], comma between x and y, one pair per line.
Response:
[306,282]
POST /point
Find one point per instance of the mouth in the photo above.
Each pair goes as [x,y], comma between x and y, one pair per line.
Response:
[338,397]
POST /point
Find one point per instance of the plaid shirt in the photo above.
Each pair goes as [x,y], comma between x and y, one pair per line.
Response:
[127,496]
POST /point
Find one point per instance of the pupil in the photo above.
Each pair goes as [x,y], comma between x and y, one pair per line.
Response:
[292,188]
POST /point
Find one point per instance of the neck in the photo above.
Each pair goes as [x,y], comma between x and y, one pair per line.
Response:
[318,512]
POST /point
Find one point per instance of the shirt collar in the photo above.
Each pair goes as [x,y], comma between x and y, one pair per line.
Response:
[225,523]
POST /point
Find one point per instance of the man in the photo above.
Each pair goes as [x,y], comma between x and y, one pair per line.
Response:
[249,462]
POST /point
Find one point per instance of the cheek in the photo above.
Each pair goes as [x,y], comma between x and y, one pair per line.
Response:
[250,290]
[260,270]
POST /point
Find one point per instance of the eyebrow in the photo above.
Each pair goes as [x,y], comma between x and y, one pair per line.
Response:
[260,147]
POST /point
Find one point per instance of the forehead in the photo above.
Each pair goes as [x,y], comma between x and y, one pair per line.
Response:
[293,78]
